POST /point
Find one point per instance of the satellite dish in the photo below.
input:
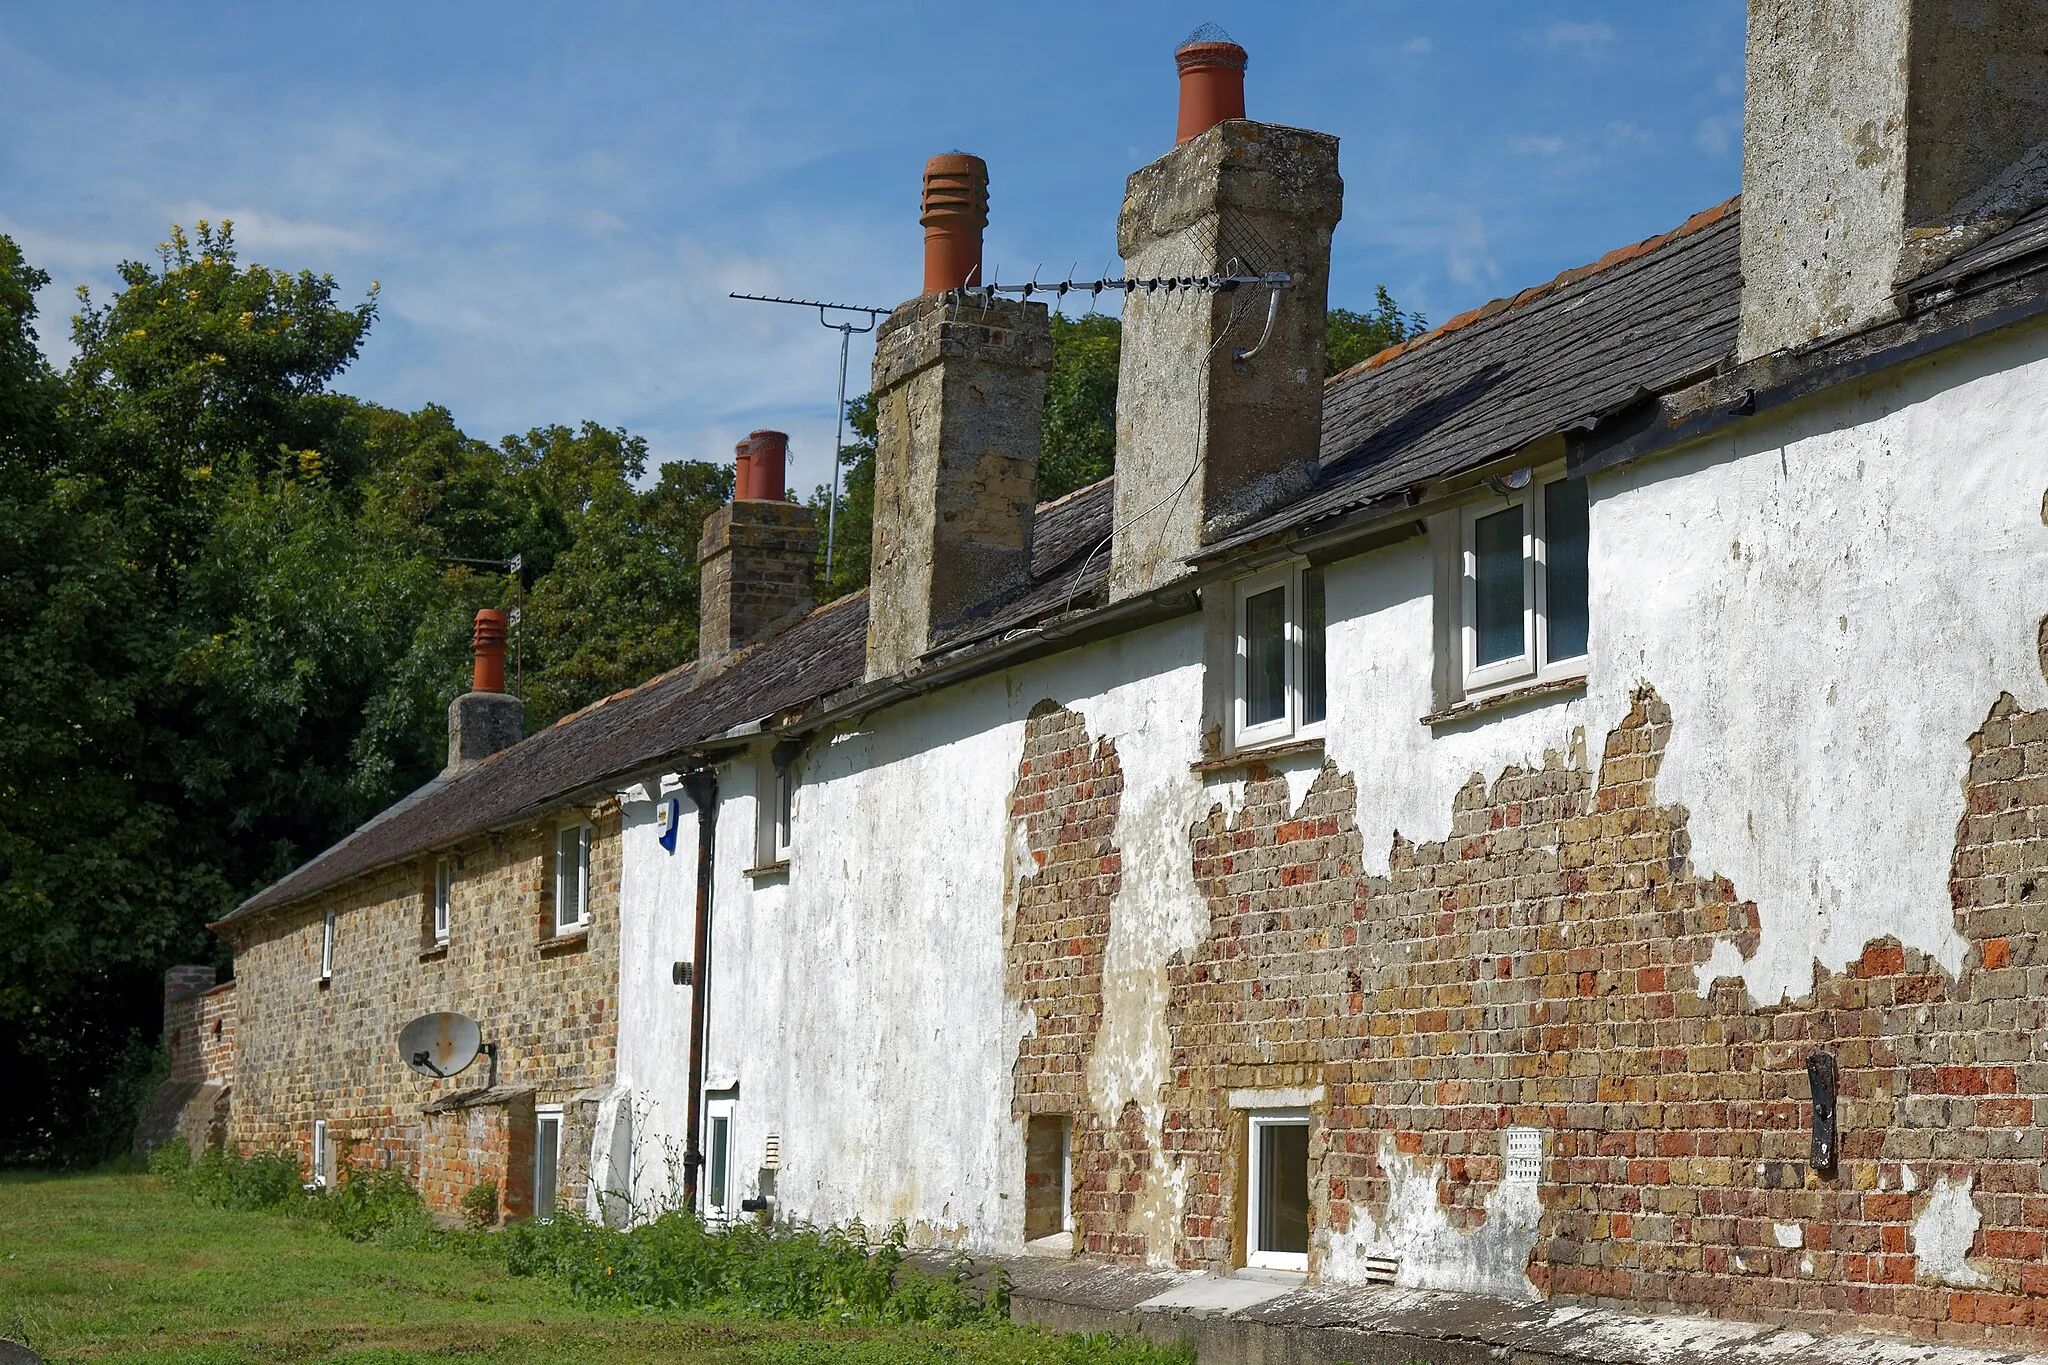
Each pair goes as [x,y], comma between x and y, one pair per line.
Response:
[440,1045]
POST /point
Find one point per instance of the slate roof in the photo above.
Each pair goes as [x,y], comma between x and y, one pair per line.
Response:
[1648,317]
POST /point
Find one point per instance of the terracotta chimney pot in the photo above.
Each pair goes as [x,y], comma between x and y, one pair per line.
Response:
[766,466]
[954,211]
[489,642]
[1211,81]
[742,468]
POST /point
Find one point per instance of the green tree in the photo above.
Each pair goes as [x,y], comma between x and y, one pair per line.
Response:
[1353,337]
[618,601]
[92,896]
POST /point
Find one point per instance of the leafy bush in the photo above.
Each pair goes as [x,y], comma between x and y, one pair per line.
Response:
[480,1205]
[362,1204]
[797,1271]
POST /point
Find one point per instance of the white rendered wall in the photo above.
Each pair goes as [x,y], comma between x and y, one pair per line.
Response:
[1830,600]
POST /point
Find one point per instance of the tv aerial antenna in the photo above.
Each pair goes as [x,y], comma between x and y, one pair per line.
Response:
[847,331]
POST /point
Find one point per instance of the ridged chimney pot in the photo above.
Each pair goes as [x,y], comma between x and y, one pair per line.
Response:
[489,642]
[1211,81]
[954,211]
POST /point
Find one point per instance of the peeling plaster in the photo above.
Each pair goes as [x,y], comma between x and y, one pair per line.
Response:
[1944,1232]
[1490,1259]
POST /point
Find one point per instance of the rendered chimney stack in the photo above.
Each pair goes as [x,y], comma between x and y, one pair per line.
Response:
[757,558]
[959,390]
[1211,81]
[1235,197]
[1880,139]
[484,719]
[954,211]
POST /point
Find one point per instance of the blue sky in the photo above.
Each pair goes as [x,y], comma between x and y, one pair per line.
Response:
[556,198]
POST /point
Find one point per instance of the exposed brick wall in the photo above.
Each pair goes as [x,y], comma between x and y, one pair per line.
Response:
[199,1025]
[305,1050]
[1539,968]
[1069,790]
[463,1147]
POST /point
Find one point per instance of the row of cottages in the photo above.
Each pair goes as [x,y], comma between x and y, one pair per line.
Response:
[1556,810]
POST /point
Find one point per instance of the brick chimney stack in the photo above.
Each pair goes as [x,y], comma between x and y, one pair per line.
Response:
[1880,139]
[484,719]
[959,388]
[1204,445]
[757,558]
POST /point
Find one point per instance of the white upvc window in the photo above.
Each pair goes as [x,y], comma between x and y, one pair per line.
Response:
[572,876]
[327,946]
[1277,1218]
[1282,674]
[444,896]
[721,1189]
[1523,611]
[318,1174]
[775,810]
[547,1159]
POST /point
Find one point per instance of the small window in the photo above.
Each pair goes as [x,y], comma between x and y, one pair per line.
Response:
[1282,673]
[719,1186]
[327,947]
[775,820]
[1524,588]
[1047,1157]
[318,1174]
[547,1159]
[1279,1211]
[572,877]
[444,895]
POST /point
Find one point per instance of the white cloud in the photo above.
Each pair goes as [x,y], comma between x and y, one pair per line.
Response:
[1586,38]
[1622,131]
[1718,136]
[1418,46]
[1530,144]
[258,232]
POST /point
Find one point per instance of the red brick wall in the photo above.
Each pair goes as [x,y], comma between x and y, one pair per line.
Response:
[1539,968]
[310,1051]
[1068,792]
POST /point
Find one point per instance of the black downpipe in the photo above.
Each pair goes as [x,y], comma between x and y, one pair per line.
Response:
[702,788]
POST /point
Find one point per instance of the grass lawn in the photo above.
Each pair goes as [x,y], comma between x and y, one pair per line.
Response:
[115,1268]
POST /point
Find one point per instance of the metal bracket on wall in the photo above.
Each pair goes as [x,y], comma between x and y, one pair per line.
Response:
[1822,1078]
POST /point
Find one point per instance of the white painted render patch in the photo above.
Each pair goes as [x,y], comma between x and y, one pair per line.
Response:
[1944,1231]
[1790,1235]
[1492,1258]
[1831,601]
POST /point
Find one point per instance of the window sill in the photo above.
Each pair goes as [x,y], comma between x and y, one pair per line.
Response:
[434,954]
[568,941]
[1262,753]
[768,871]
[1505,698]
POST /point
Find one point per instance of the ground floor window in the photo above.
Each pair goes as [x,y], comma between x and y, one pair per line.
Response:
[547,1159]
[1047,1159]
[718,1181]
[1279,1214]
[318,1175]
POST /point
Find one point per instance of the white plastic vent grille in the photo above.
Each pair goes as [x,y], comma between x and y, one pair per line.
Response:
[1525,1156]
[1382,1269]
[773,1159]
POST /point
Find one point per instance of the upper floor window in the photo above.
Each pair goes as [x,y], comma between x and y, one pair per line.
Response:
[1523,614]
[572,877]
[1281,671]
[775,823]
[327,946]
[444,895]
